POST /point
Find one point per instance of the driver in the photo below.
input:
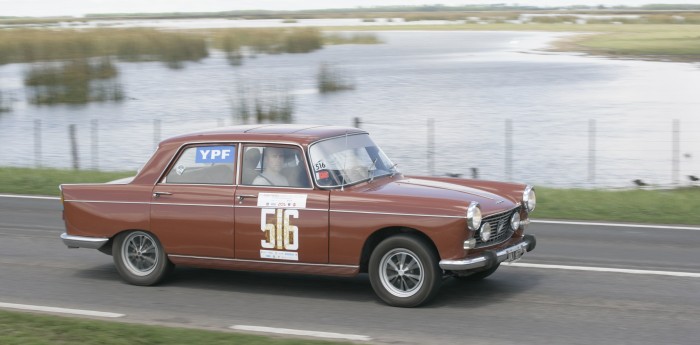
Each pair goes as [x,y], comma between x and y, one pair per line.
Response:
[273,162]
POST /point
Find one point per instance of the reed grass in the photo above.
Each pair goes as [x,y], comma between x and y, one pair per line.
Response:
[40,21]
[238,43]
[73,82]
[331,79]
[5,104]
[352,38]
[173,48]
[554,19]
[33,45]
[270,105]
[414,17]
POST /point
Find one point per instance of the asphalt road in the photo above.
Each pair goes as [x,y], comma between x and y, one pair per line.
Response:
[514,306]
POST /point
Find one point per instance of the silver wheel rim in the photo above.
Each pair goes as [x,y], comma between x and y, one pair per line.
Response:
[140,253]
[401,272]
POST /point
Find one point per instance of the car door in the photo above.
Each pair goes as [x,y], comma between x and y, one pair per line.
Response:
[192,205]
[279,216]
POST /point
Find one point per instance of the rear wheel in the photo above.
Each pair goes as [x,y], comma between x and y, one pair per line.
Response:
[404,271]
[140,258]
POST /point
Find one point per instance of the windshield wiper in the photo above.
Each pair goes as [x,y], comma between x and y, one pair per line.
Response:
[369,170]
[393,169]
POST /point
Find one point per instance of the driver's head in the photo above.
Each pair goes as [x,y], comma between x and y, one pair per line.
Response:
[274,159]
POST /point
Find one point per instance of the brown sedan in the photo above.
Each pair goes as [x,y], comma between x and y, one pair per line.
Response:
[296,198]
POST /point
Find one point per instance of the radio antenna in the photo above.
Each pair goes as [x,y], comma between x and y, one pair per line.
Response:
[345,160]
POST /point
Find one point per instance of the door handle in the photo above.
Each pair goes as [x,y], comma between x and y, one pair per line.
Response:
[243,196]
[158,194]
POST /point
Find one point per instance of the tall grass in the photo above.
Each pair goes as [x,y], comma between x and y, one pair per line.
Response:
[353,38]
[73,82]
[268,105]
[5,104]
[449,16]
[31,45]
[237,43]
[332,79]
[173,48]
[554,19]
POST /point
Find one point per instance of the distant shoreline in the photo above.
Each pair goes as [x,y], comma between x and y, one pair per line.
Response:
[649,42]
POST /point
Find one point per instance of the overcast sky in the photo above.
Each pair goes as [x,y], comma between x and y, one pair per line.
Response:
[80,7]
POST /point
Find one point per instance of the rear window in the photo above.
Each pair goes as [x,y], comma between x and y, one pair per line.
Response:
[204,164]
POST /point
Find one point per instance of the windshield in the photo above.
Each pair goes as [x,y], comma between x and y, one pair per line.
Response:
[349,159]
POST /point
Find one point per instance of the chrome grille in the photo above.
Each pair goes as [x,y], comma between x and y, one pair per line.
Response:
[500,225]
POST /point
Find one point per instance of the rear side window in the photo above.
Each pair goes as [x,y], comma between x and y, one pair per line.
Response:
[204,164]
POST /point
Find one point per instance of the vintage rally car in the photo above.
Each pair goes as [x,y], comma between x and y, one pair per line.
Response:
[298,198]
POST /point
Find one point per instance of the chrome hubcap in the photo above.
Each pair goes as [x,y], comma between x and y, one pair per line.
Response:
[140,253]
[401,272]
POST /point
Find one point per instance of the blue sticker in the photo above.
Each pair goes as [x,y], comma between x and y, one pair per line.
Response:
[215,154]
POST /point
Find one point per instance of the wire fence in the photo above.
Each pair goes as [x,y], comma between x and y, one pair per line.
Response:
[592,154]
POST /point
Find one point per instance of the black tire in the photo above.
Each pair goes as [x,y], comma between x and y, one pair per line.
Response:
[478,275]
[140,258]
[403,289]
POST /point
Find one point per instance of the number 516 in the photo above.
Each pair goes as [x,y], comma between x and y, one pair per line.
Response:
[280,234]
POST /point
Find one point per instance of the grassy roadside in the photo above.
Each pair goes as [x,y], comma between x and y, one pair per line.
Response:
[26,328]
[663,42]
[676,206]
[46,181]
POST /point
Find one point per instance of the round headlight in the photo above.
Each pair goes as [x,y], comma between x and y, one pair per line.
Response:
[485,232]
[529,199]
[515,221]
[474,216]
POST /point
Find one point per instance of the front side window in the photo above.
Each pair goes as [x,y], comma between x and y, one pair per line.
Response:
[274,166]
[349,159]
[205,164]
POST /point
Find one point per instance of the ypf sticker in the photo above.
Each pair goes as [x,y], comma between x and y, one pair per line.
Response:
[215,154]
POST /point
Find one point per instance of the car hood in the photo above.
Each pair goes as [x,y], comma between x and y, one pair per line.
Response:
[424,196]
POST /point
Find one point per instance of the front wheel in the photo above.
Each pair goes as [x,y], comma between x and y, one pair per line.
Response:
[404,271]
[140,258]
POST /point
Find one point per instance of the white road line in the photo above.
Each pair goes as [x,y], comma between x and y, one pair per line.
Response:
[606,269]
[59,310]
[648,226]
[299,332]
[29,197]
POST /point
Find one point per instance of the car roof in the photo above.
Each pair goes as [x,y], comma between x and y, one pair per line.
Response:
[297,133]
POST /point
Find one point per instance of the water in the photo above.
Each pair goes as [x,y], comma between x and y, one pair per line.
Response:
[469,82]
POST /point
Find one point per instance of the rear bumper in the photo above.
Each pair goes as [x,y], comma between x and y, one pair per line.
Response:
[83,242]
[489,258]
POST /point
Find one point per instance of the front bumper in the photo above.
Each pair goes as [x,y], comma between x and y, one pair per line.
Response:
[83,242]
[489,258]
